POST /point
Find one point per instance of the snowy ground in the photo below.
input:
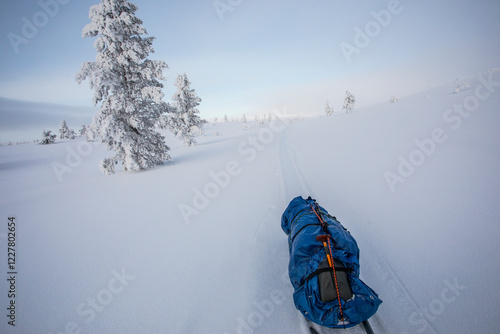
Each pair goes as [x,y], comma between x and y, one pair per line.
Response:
[195,246]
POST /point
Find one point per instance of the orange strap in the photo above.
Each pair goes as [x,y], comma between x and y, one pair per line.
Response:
[336,284]
[331,264]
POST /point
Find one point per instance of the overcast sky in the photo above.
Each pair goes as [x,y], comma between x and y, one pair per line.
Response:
[261,54]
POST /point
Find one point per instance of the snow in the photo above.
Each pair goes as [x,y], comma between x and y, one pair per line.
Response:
[115,254]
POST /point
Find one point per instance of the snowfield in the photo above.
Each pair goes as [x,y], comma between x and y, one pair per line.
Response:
[195,245]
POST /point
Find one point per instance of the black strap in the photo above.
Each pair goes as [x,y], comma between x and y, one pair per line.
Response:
[323,270]
[303,227]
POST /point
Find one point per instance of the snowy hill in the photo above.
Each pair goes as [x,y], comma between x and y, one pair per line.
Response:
[195,246]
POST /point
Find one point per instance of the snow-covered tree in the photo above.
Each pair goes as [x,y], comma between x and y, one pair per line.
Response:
[47,138]
[226,119]
[127,85]
[328,109]
[244,119]
[87,132]
[83,130]
[349,102]
[185,122]
[65,132]
[393,99]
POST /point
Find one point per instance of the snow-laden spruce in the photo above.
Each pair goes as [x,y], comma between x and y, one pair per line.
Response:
[47,138]
[127,83]
[348,102]
[328,109]
[83,130]
[65,132]
[184,120]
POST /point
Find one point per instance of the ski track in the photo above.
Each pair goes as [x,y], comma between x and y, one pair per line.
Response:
[295,183]
[398,290]
[387,276]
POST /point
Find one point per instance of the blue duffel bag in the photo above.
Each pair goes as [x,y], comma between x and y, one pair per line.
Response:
[324,267]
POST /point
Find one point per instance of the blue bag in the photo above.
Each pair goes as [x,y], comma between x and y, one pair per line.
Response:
[331,298]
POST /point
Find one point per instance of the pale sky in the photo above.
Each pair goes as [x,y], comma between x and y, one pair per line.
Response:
[261,54]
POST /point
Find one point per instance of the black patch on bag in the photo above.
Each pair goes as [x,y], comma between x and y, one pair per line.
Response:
[326,283]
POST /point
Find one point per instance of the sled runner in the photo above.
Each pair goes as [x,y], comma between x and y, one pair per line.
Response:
[324,267]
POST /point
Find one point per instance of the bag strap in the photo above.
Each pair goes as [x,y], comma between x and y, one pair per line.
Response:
[326,269]
[329,255]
